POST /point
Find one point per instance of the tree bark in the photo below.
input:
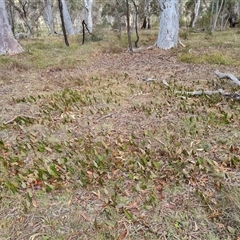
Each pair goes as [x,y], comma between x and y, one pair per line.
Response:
[88,5]
[135,23]
[8,44]
[63,23]
[196,10]
[169,24]
[217,12]
[147,12]
[128,27]
[47,14]
[67,19]
[229,76]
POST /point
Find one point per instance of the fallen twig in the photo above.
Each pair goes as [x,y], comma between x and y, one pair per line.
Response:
[148,79]
[165,82]
[19,116]
[107,116]
[180,42]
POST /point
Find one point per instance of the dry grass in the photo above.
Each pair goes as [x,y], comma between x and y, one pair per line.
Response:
[90,150]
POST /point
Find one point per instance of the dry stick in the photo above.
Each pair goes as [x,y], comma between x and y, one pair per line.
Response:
[103,117]
[107,116]
[180,42]
[14,118]
[201,92]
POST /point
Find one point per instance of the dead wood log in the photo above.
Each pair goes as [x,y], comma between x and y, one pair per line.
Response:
[228,76]
[235,96]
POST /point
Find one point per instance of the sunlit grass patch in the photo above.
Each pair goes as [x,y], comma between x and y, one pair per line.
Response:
[215,58]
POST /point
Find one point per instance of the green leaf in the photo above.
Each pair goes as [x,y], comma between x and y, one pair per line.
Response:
[52,170]
[110,223]
[11,185]
[128,215]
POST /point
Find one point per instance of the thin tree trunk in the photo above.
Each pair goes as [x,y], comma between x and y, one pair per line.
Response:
[135,23]
[47,14]
[67,19]
[211,14]
[128,27]
[196,11]
[83,31]
[63,24]
[88,5]
[218,10]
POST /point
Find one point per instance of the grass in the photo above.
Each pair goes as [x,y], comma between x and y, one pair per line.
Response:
[88,151]
[216,48]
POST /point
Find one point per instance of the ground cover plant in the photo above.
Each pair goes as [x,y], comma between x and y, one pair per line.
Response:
[93,144]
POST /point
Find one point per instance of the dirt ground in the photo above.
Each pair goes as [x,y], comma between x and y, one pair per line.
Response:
[87,213]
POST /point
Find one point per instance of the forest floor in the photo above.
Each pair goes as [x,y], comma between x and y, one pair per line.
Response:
[104,144]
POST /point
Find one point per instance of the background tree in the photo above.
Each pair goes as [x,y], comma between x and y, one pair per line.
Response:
[195,13]
[63,22]
[67,19]
[169,24]
[128,26]
[232,7]
[136,22]
[48,15]
[113,13]
[88,4]
[8,44]
[28,12]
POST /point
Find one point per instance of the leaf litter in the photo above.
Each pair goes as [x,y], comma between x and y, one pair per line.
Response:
[97,152]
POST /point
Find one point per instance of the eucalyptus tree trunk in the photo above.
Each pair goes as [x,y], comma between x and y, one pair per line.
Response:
[67,19]
[169,24]
[217,12]
[11,15]
[196,11]
[211,14]
[88,6]
[47,14]
[128,27]
[147,13]
[8,44]
[135,23]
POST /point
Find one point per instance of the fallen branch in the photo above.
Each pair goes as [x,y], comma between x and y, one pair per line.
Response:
[219,91]
[228,76]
